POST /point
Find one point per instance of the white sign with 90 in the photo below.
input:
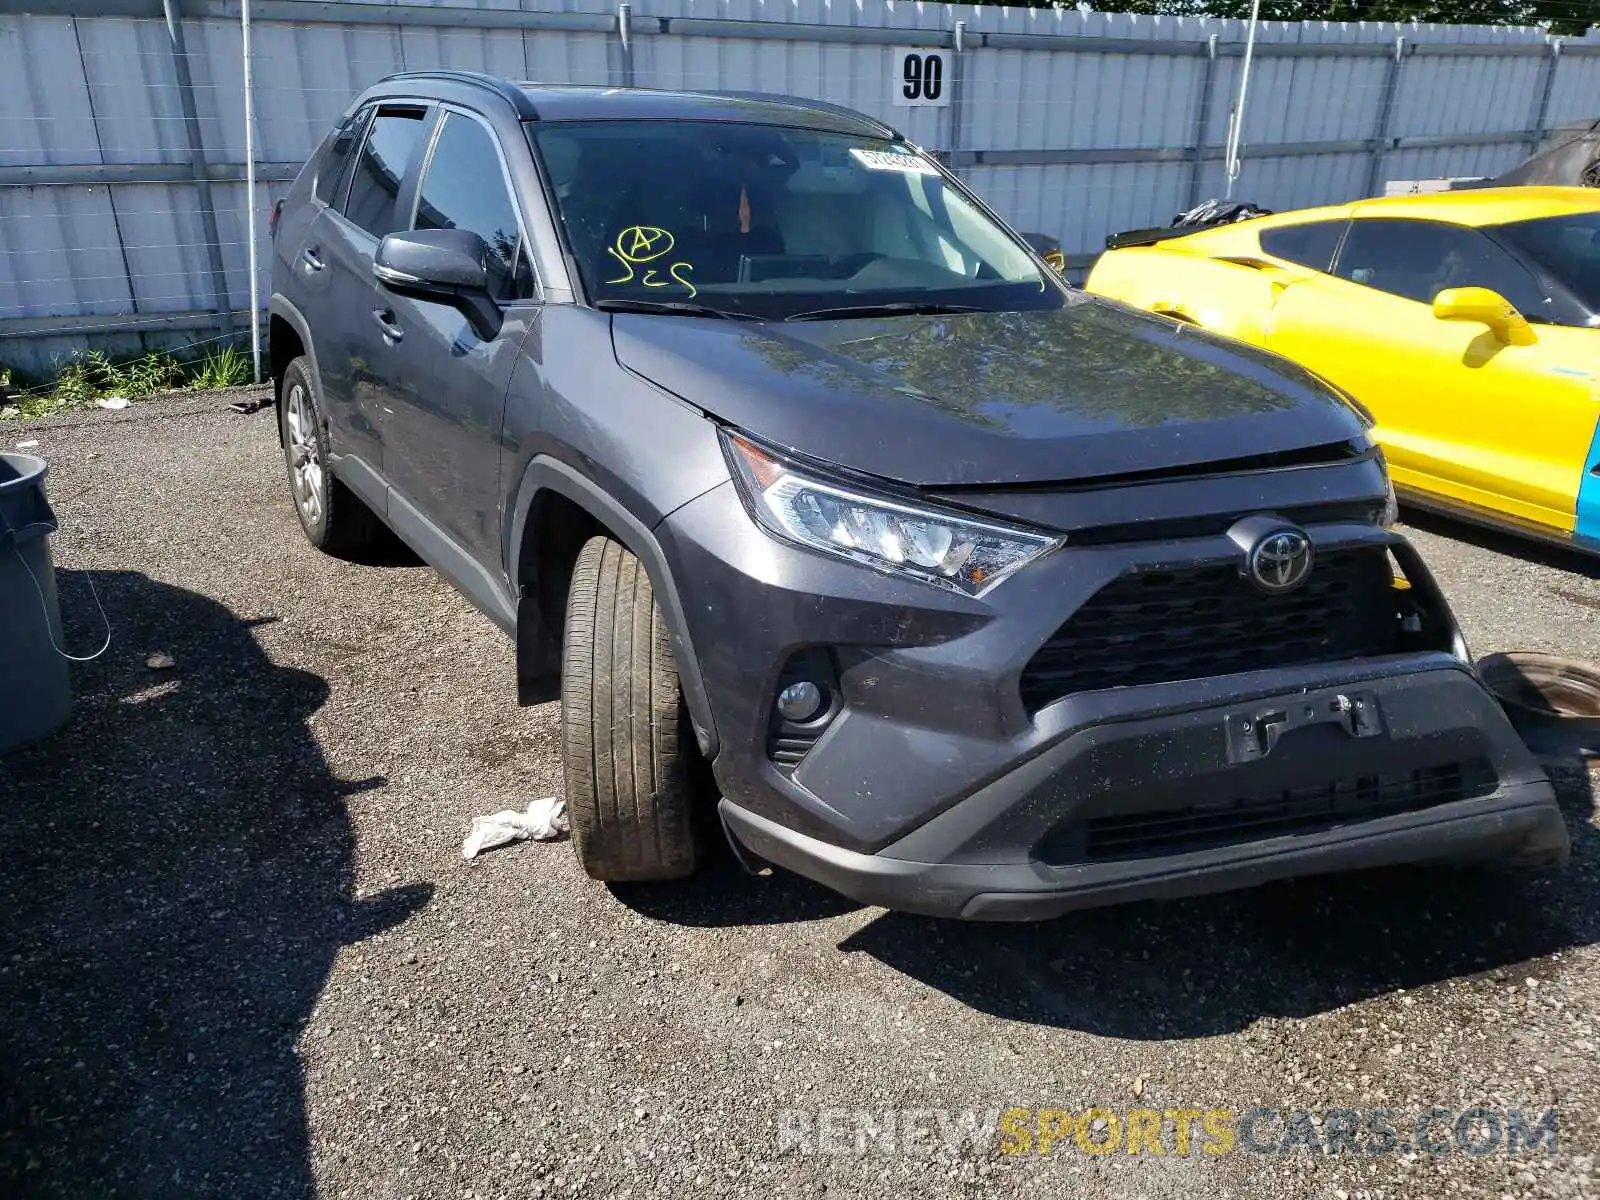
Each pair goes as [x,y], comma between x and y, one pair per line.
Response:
[921,78]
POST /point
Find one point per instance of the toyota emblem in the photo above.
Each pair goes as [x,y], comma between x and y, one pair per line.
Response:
[1279,561]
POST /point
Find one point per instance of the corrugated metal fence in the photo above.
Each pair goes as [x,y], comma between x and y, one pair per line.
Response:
[122,207]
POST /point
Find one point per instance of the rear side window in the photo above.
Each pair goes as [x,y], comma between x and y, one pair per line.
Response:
[1420,259]
[375,188]
[1310,244]
[336,156]
[465,188]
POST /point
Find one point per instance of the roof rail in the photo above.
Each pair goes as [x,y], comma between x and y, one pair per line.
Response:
[838,110]
[504,88]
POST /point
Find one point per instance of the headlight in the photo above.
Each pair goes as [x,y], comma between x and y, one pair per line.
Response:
[937,547]
[1391,503]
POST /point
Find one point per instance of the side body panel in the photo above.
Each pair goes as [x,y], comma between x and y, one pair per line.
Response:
[1495,428]
[445,407]
[1460,413]
[349,346]
[1229,298]
[579,426]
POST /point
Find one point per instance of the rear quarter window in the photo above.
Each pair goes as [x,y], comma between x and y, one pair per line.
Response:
[1311,243]
[335,157]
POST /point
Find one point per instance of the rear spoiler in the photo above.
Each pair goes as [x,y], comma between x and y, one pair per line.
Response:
[1208,215]
[1148,237]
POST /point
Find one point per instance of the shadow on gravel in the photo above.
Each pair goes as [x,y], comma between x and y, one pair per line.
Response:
[725,895]
[178,875]
[387,550]
[1214,964]
[1508,544]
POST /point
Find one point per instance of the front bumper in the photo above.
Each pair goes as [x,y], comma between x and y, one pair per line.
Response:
[1443,780]
[934,790]
[1519,823]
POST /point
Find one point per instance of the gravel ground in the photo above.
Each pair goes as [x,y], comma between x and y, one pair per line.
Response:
[240,954]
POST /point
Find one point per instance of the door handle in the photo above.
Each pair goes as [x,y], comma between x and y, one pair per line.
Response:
[313,263]
[392,333]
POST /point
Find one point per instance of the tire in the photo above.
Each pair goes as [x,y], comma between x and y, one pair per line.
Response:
[628,750]
[333,517]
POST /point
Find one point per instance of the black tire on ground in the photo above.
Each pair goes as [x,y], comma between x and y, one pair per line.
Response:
[334,518]
[628,750]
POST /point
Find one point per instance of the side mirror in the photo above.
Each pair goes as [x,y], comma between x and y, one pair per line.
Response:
[438,261]
[446,265]
[1486,307]
[1047,248]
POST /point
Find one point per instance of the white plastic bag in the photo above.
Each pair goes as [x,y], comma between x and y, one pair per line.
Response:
[544,821]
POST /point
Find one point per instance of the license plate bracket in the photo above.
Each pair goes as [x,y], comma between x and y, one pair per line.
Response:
[1253,735]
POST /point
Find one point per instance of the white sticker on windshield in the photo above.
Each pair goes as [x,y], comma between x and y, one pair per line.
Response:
[883,160]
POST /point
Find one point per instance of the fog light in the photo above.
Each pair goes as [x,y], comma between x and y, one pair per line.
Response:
[800,701]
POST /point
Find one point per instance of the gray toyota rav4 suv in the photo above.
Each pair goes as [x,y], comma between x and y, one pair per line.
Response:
[979,597]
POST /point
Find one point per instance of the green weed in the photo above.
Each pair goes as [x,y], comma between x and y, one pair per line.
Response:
[227,367]
[85,378]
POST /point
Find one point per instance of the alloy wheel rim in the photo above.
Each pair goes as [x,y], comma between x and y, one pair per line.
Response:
[305,457]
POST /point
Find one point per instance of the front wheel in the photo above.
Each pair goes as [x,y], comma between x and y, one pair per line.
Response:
[627,745]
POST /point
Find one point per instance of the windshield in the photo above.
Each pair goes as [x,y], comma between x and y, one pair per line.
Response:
[774,222]
[1567,248]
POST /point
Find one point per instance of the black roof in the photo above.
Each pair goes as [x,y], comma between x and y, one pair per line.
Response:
[576,102]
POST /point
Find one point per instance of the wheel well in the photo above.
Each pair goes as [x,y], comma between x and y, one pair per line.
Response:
[554,532]
[1173,315]
[283,345]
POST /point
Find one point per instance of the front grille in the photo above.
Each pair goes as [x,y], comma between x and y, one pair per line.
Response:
[1161,626]
[1250,818]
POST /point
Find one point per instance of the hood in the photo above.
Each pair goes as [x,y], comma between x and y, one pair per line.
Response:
[1074,393]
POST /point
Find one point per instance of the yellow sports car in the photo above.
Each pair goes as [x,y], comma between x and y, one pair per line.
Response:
[1467,322]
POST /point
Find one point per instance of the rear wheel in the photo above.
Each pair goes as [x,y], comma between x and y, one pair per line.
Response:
[334,518]
[628,751]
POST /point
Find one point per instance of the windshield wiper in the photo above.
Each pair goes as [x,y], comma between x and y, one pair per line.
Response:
[902,308]
[680,308]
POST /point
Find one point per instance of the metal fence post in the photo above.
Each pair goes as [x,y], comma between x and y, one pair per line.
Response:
[1547,85]
[198,166]
[250,189]
[625,35]
[957,43]
[1391,88]
[1232,164]
[1202,135]
[100,150]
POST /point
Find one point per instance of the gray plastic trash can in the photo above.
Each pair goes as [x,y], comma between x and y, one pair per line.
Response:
[35,691]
